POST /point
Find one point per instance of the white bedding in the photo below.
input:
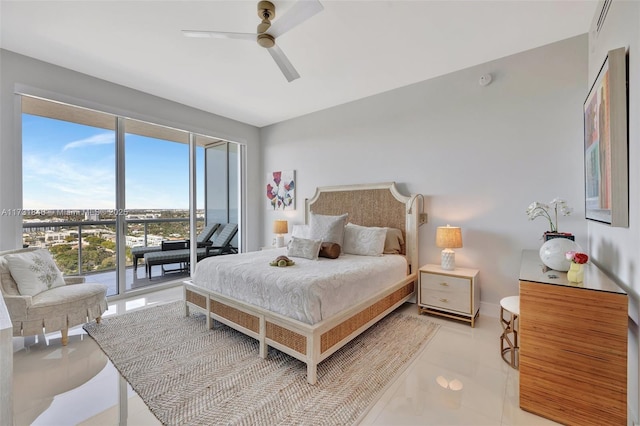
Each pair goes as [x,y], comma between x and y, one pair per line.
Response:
[309,291]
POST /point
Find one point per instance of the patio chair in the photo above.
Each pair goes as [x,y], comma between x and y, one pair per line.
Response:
[203,237]
[220,244]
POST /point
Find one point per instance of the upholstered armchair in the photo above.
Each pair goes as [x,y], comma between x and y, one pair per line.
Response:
[39,299]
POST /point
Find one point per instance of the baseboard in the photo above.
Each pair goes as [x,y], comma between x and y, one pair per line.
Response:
[491,310]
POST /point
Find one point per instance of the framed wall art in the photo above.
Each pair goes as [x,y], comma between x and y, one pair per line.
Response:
[281,190]
[605,144]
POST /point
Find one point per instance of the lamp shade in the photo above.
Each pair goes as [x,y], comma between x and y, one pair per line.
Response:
[448,237]
[280,227]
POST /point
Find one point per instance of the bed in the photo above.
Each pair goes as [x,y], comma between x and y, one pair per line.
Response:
[313,331]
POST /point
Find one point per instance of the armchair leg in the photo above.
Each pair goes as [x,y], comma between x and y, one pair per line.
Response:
[98,320]
[65,336]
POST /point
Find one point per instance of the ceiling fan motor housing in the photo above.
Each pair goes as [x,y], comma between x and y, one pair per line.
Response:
[266,12]
[266,40]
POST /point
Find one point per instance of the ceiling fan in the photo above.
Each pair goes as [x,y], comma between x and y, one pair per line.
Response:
[267,33]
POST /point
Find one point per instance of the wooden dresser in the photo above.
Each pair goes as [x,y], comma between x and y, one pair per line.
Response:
[573,345]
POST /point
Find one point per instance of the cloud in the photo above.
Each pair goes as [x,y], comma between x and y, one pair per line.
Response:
[99,139]
[57,183]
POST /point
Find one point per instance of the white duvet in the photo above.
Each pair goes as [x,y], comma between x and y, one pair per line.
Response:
[309,291]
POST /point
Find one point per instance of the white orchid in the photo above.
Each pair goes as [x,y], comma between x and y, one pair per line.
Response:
[537,209]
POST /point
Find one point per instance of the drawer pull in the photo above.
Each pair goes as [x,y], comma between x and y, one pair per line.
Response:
[444,284]
[444,300]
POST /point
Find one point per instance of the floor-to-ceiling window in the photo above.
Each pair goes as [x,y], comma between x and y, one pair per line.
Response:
[69,185]
[96,185]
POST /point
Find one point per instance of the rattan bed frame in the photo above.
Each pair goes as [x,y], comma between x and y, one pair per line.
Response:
[367,205]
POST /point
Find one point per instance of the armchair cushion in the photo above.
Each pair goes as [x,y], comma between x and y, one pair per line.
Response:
[67,305]
[34,272]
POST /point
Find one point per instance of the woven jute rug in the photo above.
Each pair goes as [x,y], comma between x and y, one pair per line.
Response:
[189,375]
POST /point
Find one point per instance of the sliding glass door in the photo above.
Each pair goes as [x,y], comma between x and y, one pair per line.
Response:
[157,197]
[101,189]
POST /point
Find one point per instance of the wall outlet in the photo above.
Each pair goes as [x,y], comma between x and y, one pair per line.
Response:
[422,218]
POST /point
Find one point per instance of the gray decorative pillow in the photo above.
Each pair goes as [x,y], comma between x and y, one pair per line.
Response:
[329,229]
[302,247]
[34,271]
[364,240]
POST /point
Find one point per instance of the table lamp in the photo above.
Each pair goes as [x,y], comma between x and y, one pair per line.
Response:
[448,237]
[280,227]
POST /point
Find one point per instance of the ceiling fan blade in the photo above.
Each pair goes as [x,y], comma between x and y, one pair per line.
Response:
[218,34]
[283,63]
[297,14]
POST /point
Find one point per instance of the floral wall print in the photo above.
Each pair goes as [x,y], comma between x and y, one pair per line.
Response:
[606,143]
[281,190]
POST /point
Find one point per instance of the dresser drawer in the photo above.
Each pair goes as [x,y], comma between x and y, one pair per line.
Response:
[445,292]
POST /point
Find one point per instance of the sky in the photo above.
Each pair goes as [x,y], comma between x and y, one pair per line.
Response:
[72,166]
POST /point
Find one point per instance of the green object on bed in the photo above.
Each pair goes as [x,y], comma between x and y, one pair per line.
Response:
[282,261]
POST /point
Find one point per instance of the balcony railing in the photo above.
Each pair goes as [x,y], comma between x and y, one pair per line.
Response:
[35,234]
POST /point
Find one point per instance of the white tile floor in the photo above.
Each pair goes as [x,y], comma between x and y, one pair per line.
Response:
[78,385]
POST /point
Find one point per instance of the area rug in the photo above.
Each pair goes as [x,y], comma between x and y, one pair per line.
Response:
[189,375]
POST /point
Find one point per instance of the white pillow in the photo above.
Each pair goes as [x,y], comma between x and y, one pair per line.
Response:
[302,247]
[329,229]
[301,231]
[34,271]
[363,240]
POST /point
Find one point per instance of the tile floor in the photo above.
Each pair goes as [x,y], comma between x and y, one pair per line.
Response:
[78,385]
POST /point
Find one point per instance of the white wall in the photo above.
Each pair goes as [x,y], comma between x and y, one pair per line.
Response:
[17,71]
[480,155]
[6,366]
[616,249]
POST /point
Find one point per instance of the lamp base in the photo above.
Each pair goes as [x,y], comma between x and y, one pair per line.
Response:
[279,241]
[448,259]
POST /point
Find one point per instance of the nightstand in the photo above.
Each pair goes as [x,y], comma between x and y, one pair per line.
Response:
[452,294]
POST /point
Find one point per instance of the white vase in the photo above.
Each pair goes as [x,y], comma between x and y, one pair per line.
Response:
[553,253]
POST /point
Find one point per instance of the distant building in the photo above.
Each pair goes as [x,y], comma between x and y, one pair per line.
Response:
[152,240]
[92,216]
[143,216]
[52,237]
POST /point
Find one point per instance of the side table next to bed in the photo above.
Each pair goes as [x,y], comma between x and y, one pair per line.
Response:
[451,294]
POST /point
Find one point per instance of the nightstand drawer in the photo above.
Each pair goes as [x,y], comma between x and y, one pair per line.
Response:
[445,292]
[437,282]
[449,300]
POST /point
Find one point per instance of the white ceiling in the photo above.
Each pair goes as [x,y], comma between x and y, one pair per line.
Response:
[350,50]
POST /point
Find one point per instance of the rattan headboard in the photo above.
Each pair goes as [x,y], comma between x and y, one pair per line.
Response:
[371,205]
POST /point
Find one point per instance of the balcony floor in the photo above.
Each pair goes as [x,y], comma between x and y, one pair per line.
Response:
[138,279]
